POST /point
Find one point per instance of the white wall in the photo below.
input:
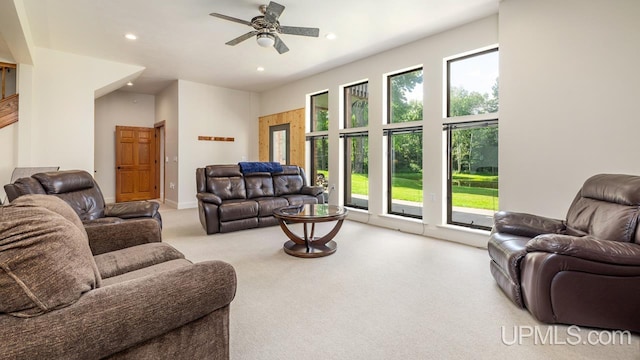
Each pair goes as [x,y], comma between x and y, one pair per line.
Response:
[63,90]
[118,108]
[568,98]
[167,111]
[213,111]
[429,53]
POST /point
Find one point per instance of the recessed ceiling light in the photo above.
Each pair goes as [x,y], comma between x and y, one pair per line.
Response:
[330,36]
[260,68]
[129,83]
[131,36]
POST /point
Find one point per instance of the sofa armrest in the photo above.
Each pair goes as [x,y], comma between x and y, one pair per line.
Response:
[116,317]
[110,234]
[588,248]
[312,190]
[209,198]
[132,209]
[524,224]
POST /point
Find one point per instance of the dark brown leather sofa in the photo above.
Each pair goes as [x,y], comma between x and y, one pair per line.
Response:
[106,224]
[584,270]
[229,200]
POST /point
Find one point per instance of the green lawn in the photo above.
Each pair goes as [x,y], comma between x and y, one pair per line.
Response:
[409,187]
[475,198]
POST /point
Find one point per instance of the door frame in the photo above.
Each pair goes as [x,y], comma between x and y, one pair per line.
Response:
[160,133]
[275,128]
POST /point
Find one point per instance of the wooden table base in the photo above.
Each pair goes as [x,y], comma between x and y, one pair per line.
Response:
[313,251]
[308,245]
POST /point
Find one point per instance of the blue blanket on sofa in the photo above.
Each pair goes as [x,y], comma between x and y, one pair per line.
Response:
[248,167]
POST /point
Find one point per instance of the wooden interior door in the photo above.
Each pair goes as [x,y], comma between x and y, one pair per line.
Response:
[135,164]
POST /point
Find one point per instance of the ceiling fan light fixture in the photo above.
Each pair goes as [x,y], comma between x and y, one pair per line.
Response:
[265,39]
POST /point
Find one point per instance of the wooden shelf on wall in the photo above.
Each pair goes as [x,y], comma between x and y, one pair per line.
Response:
[216,138]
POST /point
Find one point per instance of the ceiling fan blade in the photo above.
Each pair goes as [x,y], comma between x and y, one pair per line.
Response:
[302,31]
[241,38]
[273,12]
[230,18]
[279,45]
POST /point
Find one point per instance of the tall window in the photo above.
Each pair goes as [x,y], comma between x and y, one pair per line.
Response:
[404,143]
[356,170]
[356,146]
[356,105]
[472,139]
[405,96]
[318,139]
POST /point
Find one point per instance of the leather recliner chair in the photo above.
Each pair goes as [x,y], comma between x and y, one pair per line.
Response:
[584,270]
[109,226]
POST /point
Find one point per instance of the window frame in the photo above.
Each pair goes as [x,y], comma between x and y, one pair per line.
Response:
[347,105]
[345,136]
[314,135]
[462,121]
[448,80]
[388,133]
[312,107]
[390,100]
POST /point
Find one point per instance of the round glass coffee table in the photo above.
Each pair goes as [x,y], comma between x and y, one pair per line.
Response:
[309,245]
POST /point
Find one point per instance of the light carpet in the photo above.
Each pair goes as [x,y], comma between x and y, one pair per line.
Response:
[383,295]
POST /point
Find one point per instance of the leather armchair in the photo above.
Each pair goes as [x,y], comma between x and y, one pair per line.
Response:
[108,225]
[584,270]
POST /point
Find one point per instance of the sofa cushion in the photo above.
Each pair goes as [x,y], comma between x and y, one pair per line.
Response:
[259,185]
[613,188]
[27,185]
[222,171]
[129,259]
[287,184]
[266,205]
[236,210]
[78,189]
[227,187]
[60,182]
[45,261]
[604,220]
[54,204]
[146,271]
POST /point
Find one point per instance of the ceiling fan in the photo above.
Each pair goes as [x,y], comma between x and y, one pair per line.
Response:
[267,27]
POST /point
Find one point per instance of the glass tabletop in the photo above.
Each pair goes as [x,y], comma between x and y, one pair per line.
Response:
[311,211]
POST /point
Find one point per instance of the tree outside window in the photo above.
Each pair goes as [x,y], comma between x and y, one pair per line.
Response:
[472,181]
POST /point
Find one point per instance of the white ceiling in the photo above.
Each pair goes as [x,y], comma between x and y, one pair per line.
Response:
[177,39]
